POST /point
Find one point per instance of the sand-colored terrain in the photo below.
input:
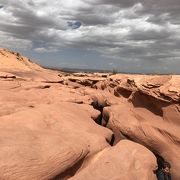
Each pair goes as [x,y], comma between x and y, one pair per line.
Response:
[83,126]
[14,60]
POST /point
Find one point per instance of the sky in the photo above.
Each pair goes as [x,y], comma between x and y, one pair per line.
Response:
[135,36]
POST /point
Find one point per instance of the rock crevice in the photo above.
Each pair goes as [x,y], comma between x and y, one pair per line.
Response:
[57,125]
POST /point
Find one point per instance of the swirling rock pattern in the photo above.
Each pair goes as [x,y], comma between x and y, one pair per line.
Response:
[49,130]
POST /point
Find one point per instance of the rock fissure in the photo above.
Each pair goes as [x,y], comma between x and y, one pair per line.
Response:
[157,111]
[47,130]
[101,121]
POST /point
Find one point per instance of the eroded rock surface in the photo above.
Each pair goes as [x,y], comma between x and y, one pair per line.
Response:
[49,123]
[127,160]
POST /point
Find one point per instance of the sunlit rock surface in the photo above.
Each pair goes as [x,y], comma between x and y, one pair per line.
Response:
[126,160]
[57,125]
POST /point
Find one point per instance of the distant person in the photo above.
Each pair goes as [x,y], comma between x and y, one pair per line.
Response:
[164,172]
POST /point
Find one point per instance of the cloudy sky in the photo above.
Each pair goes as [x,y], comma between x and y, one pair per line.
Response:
[125,35]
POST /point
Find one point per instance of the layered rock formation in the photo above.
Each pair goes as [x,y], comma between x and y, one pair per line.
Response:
[59,126]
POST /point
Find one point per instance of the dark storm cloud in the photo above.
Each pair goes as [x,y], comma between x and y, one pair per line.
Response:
[91,19]
[149,35]
[121,3]
[162,11]
[25,23]
[135,30]
[31,3]
[27,17]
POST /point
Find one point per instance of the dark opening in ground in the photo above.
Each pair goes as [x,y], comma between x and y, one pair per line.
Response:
[102,121]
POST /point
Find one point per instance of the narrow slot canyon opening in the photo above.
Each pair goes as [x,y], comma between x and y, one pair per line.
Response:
[160,162]
[102,121]
[112,140]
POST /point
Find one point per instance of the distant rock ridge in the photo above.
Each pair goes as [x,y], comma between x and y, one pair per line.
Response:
[14,60]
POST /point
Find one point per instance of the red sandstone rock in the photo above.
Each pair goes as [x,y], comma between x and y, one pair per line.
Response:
[12,60]
[48,129]
[126,160]
[43,141]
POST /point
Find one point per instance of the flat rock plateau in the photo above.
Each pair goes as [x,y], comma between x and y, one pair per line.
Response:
[85,126]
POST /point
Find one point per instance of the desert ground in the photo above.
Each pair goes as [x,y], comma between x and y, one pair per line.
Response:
[85,126]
